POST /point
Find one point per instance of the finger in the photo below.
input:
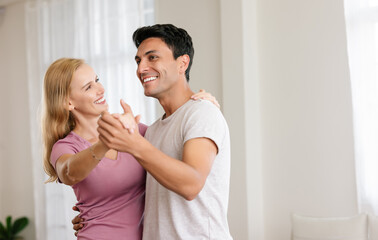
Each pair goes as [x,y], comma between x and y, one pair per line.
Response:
[108,139]
[77,227]
[75,208]
[76,234]
[200,94]
[105,141]
[206,96]
[112,145]
[128,122]
[108,120]
[104,112]
[116,115]
[104,136]
[105,118]
[137,119]
[76,220]
[217,104]
[131,130]
[125,122]
[213,100]
[126,107]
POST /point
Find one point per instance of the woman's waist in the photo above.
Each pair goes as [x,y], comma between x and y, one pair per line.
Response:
[112,228]
[121,208]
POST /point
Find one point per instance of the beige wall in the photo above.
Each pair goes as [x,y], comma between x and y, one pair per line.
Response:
[279,69]
[16,164]
[205,72]
[203,21]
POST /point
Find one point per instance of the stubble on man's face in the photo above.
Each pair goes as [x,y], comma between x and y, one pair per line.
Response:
[157,69]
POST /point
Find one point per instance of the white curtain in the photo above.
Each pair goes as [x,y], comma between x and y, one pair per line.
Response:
[362,35]
[98,31]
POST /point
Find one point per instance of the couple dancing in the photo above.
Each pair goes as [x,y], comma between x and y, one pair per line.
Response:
[166,181]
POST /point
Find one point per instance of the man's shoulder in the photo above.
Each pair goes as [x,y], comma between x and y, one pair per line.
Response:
[203,106]
[205,110]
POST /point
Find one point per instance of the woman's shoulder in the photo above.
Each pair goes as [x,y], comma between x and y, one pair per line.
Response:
[72,139]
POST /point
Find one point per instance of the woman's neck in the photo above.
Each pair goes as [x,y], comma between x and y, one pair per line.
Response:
[87,129]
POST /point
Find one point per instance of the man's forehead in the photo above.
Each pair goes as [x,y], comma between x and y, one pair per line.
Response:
[151,45]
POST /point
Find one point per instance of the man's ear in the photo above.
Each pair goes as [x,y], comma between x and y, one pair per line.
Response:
[184,63]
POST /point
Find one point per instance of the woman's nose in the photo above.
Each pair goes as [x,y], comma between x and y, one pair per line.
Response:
[100,88]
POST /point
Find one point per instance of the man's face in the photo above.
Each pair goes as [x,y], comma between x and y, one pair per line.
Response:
[157,69]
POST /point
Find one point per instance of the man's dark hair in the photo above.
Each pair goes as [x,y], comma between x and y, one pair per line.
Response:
[177,39]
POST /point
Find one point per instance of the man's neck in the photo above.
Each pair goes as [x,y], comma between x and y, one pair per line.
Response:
[174,99]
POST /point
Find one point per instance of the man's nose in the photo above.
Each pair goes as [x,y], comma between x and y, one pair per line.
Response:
[142,67]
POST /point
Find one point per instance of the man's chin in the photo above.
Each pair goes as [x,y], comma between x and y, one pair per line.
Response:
[148,93]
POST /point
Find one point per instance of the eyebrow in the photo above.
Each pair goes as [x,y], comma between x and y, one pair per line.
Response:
[146,53]
[88,83]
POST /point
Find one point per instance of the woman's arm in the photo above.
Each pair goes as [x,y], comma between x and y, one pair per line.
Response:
[73,168]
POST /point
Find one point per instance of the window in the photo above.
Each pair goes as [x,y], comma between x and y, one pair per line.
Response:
[362,35]
[99,32]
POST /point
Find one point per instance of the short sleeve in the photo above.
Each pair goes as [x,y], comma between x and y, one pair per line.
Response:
[60,148]
[206,120]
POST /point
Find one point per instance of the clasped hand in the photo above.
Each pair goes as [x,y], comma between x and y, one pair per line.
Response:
[116,130]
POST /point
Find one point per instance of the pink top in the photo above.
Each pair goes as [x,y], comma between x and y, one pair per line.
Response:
[111,198]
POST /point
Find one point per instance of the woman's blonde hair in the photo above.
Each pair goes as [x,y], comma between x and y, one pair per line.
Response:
[57,120]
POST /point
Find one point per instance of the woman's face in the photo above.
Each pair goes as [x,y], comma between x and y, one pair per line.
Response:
[86,93]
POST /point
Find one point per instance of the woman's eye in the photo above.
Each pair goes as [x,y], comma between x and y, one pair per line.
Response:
[89,86]
[97,79]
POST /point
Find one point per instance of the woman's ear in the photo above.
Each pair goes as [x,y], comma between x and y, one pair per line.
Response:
[70,106]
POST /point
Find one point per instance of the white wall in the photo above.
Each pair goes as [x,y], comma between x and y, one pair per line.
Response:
[306,112]
[284,63]
[279,69]
[16,163]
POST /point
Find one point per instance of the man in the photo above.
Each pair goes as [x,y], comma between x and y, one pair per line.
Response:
[186,153]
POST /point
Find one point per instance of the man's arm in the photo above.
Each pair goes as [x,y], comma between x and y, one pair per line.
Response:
[186,177]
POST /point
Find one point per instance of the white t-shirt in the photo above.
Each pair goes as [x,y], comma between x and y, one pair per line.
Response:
[168,216]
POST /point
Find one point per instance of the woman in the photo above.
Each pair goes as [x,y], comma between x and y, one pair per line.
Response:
[109,185]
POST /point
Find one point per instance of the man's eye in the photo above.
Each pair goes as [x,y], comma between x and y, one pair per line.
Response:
[89,86]
[152,57]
